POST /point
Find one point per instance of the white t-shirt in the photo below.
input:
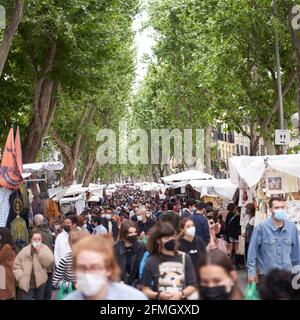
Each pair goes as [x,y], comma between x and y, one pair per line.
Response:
[62,247]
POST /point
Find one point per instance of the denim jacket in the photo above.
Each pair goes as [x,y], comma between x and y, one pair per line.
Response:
[271,248]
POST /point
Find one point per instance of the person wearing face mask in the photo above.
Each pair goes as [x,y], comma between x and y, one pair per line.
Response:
[129,252]
[97,272]
[274,243]
[190,208]
[189,243]
[168,274]
[217,277]
[62,247]
[30,268]
[201,223]
[144,222]
[42,226]
[7,258]
[109,224]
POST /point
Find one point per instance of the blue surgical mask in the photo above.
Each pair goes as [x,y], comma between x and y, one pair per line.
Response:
[279,215]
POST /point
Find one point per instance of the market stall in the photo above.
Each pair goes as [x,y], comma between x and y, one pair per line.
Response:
[187,176]
[260,178]
[223,188]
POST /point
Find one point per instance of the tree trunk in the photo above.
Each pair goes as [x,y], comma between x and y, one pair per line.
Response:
[44,106]
[254,140]
[270,147]
[9,33]
[69,173]
[90,173]
[207,151]
[88,162]
[72,154]
[154,173]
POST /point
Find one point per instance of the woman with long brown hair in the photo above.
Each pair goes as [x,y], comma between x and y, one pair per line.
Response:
[218,278]
[129,252]
[168,274]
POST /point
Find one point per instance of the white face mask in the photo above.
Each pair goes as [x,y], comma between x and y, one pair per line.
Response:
[108,216]
[191,231]
[36,243]
[139,218]
[89,283]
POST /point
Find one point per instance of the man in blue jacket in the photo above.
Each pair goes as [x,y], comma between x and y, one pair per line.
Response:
[274,243]
[201,223]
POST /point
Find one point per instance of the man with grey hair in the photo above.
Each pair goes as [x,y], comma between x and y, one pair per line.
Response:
[144,221]
[41,225]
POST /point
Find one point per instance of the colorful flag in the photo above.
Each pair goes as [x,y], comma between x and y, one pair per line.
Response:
[11,166]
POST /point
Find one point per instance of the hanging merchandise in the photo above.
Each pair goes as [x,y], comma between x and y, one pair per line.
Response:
[19,232]
[274,183]
[51,209]
[293,210]
[4,205]
[16,208]
[25,196]
[246,194]
[290,183]
[11,168]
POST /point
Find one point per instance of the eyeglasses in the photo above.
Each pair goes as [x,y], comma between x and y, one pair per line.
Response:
[91,269]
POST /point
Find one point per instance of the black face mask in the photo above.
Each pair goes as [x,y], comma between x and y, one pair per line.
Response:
[214,293]
[132,238]
[67,229]
[170,245]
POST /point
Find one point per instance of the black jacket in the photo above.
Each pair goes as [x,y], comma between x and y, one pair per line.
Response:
[234,227]
[228,218]
[136,256]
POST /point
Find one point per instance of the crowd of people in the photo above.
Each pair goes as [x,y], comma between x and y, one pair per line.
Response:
[135,246]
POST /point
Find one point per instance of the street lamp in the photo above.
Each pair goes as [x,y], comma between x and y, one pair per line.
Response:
[295,124]
[278,72]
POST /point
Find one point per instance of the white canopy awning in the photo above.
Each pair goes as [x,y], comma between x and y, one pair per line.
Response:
[251,169]
[60,192]
[187,175]
[42,166]
[219,187]
[153,186]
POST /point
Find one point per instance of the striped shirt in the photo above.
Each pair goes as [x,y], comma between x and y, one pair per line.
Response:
[64,273]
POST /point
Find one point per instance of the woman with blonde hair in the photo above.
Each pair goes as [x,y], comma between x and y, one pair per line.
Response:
[98,273]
